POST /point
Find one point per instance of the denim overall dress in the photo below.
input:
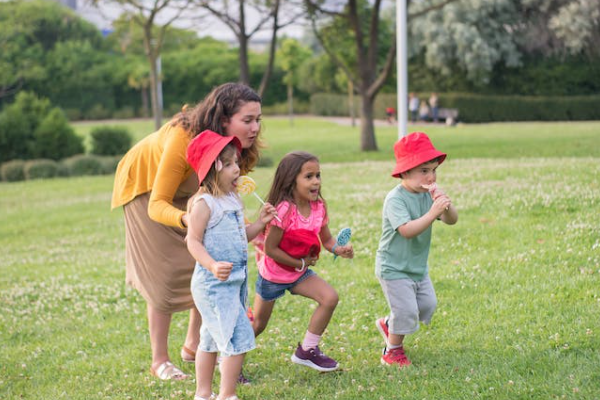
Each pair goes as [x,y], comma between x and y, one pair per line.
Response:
[225,325]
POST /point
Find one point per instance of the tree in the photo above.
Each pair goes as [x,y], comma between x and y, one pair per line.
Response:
[472,36]
[233,15]
[362,63]
[28,31]
[146,13]
[292,54]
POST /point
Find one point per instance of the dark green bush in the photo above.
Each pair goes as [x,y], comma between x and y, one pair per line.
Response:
[125,112]
[110,140]
[300,107]
[12,171]
[32,128]
[84,164]
[327,104]
[109,163]
[18,122]
[481,108]
[40,169]
[98,111]
[55,139]
[265,161]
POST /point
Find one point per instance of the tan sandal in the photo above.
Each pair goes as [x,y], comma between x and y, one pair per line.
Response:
[212,397]
[188,355]
[167,371]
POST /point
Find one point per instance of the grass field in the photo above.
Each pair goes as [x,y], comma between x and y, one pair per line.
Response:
[517,278]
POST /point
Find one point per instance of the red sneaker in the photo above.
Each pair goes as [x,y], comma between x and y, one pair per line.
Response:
[382,327]
[395,356]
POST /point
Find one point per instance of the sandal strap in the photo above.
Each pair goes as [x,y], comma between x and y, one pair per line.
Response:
[189,351]
[167,371]
[212,397]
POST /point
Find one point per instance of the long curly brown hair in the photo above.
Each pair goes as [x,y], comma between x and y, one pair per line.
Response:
[218,107]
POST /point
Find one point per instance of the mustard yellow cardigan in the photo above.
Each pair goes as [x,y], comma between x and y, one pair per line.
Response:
[158,164]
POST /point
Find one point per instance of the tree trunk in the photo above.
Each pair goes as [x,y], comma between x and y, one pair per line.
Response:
[156,111]
[243,40]
[244,68]
[367,127]
[144,93]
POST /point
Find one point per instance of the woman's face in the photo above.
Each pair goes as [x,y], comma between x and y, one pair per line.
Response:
[245,124]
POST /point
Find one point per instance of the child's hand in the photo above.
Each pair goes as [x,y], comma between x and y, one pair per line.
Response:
[434,190]
[344,251]
[440,204]
[221,270]
[310,260]
[267,213]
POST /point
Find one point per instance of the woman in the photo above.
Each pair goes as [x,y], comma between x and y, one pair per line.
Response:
[153,183]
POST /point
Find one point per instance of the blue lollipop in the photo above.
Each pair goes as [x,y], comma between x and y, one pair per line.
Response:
[342,239]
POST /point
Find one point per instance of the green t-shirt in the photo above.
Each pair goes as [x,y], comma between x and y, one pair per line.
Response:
[399,257]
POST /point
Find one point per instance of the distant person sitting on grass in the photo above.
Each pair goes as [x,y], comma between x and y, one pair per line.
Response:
[424,111]
[409,211]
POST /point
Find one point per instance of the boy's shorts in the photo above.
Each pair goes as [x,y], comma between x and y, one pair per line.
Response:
[409,302]
[271,291]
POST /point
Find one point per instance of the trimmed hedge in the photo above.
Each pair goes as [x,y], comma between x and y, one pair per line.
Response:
[110,140]
[12,171]
[84,164]
[40,169]
[479,108]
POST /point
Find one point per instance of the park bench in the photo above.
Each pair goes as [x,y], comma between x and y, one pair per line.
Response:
[448,115]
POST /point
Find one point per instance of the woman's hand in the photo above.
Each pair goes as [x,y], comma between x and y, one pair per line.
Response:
[221,270]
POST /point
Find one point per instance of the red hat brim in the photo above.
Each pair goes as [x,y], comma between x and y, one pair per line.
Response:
[204,149]
[413,150]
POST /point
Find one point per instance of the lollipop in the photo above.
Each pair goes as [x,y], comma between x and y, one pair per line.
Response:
[342,239]
[432,188]
[246,185]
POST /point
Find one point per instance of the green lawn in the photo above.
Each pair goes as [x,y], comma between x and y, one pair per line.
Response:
[517,278]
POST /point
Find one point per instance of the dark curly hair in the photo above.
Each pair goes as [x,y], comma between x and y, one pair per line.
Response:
[217,107]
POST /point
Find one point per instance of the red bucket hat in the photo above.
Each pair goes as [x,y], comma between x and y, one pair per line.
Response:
[413,150]
[204,149]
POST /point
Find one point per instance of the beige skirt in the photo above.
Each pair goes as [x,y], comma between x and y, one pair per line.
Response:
[158,263]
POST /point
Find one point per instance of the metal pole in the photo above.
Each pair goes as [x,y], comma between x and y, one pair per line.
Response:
[401,67]
[159,84]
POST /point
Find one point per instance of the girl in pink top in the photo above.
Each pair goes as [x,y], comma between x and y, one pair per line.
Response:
[292,246]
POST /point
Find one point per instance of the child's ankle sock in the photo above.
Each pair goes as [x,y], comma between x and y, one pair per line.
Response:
[310,341]
[392,346]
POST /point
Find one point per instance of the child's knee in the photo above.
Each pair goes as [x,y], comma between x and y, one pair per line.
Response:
[258,325]
[331,299]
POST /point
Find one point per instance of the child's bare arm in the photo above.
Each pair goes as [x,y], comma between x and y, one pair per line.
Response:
[267,213]
[199,216]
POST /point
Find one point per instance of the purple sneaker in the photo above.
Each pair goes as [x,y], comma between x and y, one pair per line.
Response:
[314,358]
[242,380]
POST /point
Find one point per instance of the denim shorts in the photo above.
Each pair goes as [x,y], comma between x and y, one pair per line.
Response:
[271,291]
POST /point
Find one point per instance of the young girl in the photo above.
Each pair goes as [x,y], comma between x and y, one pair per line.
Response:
[291,247]
[218,239]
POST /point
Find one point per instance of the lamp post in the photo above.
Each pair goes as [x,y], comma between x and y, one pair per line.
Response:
[401,67]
